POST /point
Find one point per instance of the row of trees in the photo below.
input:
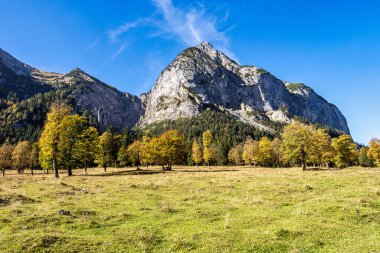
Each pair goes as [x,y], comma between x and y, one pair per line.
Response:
[68,142]
[21,157]
[305,145]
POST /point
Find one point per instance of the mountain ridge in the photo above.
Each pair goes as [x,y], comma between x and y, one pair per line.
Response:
[200,78]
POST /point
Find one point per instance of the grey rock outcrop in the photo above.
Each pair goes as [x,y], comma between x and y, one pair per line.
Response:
[202,77]
[109,106]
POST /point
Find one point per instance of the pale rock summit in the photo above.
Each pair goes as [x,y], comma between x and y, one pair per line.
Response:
[203,78]
[200,78]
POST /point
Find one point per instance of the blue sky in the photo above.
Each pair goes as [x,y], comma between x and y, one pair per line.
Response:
[332,46]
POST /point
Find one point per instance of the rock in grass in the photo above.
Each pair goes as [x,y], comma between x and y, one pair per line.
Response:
[67,213]
[308,188]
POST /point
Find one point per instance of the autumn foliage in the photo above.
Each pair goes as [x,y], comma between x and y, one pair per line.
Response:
[68,142]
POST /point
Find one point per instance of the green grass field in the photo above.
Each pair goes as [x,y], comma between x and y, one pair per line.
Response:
[224,209]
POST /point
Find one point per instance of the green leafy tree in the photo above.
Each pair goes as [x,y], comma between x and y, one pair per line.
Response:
[85,148]
[71,129]
[105,152]
[344,149]
[364,159]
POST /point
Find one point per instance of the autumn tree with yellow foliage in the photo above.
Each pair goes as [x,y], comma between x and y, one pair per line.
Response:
[196,152]
[208,150]
[251,152]
[297,143]
[374,151]
[235,155]
[6,157]
[169,149]
[345,153]
[21,156]
[49,139]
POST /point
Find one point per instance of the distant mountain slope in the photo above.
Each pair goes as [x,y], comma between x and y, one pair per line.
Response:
[27,93]
[199,79]
[202,77]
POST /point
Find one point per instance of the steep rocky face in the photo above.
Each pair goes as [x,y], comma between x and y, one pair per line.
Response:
[202,77]
[109,106]
[21,81]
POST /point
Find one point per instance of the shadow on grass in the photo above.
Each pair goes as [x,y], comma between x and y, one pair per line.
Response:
[150,172]
[205,171]
[323,169]
[125,172]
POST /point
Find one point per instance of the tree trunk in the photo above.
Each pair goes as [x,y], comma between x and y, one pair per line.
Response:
[56,173]
[137,167]
[69,171]
[3,172]
[85,171]
[32,171]
[105,168]
[303,166]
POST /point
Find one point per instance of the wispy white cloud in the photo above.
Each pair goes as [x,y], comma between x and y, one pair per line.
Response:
[189,26]
[119,50]
[93,44]
[113,34]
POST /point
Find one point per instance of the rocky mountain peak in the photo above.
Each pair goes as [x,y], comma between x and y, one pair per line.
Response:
[204,78]
[15,65]
[218,56]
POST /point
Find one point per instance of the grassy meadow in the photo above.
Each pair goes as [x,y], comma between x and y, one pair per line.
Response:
[223,209]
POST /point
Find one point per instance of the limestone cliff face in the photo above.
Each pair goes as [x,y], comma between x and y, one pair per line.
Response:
[202,77]
[109,106]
